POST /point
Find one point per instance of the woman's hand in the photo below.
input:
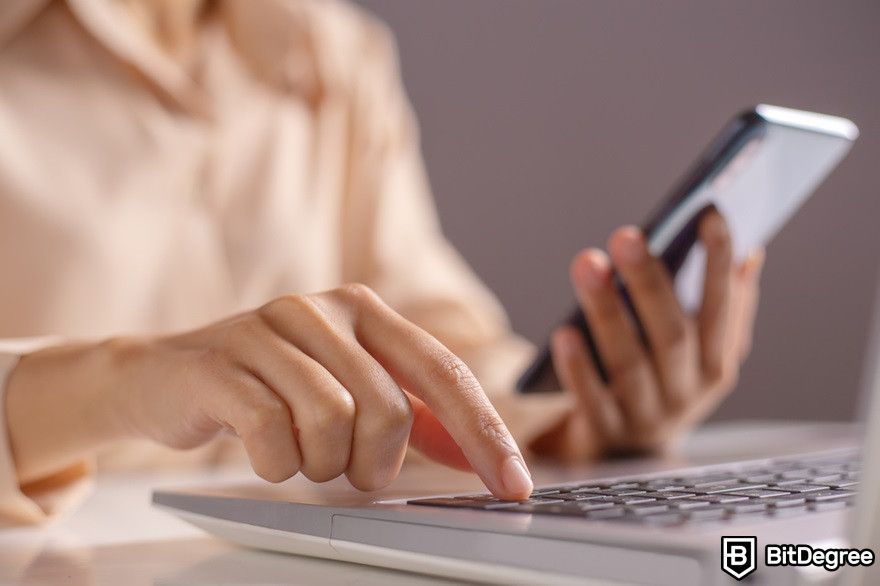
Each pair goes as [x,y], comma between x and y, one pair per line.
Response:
[658,392]
[321,384]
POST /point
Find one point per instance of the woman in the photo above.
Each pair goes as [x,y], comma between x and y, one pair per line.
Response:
[168,164]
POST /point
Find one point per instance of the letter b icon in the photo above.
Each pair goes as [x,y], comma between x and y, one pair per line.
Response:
[738,555]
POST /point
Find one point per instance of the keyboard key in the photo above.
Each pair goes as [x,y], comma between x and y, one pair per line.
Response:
[500,505]
[733,486]
[687,504]
[543,501]
[764,478]
[789,500]
[721,498]
[829,495]
[544,491]
[610,513]
[568,496]
[759,493]
[596,506]
[801,488]
[647,508]
[592,497]
[826,478]
[709,480]
[561,509]
[612,492]
[634,500]
[670,494]
[707,513]
[749,506]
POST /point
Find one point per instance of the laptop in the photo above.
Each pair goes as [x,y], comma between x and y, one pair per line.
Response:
[752,520]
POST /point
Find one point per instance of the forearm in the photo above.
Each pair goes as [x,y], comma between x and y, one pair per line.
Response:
[61,406]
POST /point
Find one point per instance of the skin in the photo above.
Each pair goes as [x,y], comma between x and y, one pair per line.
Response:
[657,393]
[312,384]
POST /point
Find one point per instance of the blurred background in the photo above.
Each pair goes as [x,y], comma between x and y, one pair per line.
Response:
[545,125]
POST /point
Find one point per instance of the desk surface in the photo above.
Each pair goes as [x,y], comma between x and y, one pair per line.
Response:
[118,538]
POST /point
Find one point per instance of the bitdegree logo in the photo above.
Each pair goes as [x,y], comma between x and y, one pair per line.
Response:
[789,554]
[738,555]
[739,559]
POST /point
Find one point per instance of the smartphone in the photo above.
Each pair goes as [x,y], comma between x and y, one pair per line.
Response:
[757,172]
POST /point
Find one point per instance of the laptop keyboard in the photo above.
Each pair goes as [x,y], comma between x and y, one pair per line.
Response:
[777,488]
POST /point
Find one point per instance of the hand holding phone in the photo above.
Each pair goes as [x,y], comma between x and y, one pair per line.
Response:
[668,376]
[762,166]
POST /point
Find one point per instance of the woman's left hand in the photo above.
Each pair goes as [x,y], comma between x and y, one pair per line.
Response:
[656,392]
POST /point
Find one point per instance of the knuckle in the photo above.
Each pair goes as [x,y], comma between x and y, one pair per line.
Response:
[251,327]
[490,427]
[284,305]
[358,295]
[397,415]
[449,369]
[335,410]
[264,411]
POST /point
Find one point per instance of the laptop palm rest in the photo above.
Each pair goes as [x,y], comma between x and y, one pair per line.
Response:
[408,546]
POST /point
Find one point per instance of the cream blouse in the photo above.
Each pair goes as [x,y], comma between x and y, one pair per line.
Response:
[138,195]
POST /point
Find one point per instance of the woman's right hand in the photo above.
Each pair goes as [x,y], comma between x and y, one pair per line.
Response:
[322,384]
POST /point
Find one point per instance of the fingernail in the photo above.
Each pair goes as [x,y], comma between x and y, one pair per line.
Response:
[517,480]
[594,270]
[632,246]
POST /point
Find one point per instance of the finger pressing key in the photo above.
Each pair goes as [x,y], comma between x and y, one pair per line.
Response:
[428,370]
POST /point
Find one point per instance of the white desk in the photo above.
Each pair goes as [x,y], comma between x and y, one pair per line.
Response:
[118,538]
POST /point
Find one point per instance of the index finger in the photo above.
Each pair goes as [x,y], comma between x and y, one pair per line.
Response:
[431,372]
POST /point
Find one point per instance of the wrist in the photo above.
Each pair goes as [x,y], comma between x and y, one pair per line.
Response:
[62,404]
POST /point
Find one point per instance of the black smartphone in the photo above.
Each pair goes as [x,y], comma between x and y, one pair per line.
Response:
[757,172]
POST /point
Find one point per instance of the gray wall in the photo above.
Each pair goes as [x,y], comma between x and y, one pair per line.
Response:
[547,124]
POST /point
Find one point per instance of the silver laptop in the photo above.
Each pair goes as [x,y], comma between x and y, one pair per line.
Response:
[766,521]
